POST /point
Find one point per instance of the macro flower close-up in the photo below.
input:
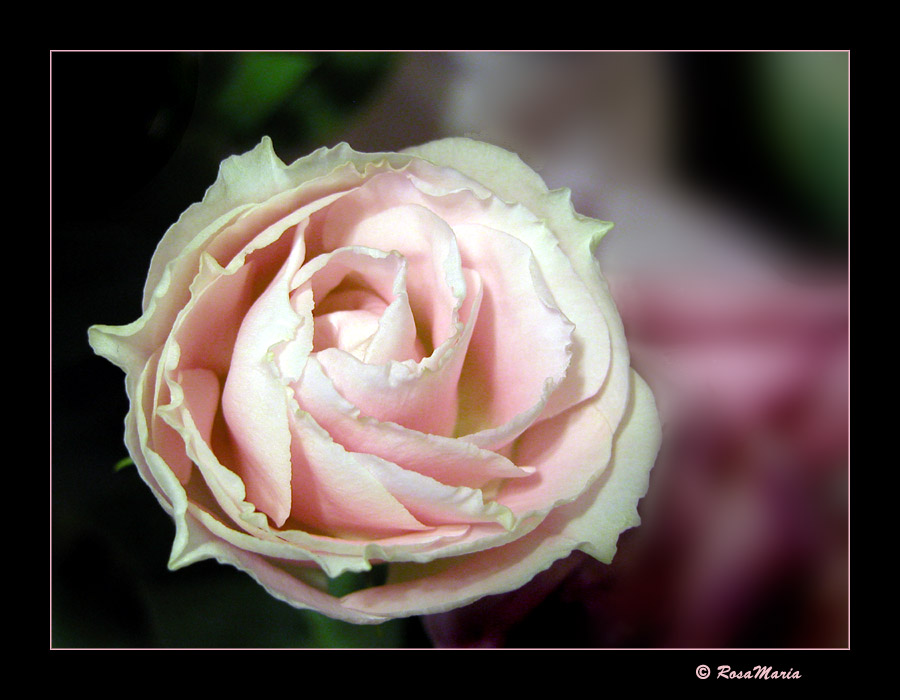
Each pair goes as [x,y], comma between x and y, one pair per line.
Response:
[405,359]
[449,350]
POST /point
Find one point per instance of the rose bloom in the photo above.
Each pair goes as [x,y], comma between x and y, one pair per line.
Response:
[409,359]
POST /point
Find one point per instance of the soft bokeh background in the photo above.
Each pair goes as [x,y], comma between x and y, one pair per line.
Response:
[727,177]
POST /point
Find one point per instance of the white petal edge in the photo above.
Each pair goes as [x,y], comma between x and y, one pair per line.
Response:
[592,524]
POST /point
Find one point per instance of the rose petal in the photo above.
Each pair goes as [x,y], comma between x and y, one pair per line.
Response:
[521,342]
[563,243]
[252,189]
[375,215]
[336,492]
[371,317]
[260,176]
[254,397]
[434,503]
[434,281]
[452,582]
[609,507]
[421,396]
[447,460]
[593,524]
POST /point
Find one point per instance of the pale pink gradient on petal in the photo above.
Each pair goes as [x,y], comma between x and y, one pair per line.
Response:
[420,396]
[361,304]
[437,504]
[449,583]
[434,280]
[521,339]
[563,243]
[450,461]
[592,523]
[202,393]
[518,296]
[566,451]
[336,492]
[254,397]
[166,440]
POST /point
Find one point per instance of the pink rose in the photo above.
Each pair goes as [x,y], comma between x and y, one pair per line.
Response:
[405,358]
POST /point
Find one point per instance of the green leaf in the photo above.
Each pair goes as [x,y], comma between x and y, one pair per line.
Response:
[123,463]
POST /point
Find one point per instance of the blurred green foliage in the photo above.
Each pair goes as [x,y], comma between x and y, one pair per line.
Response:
[804,110]
[305,96]
[260,83]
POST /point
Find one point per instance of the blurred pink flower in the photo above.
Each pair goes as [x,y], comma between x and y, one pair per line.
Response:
[743,541]
[770,359]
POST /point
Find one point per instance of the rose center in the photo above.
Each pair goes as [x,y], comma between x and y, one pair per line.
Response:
[347,318]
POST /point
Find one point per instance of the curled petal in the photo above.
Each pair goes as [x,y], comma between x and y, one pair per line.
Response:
[563,243]
[435,283]
[447,460]
[592,523]
[338,492]
[421,396]
[521,342]
[361,304]
[254,400]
